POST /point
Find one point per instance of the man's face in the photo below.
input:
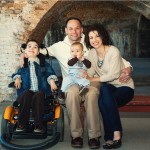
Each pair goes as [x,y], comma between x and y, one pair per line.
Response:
[32,49]
[74,30]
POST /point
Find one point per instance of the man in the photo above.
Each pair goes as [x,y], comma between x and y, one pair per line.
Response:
[61,51]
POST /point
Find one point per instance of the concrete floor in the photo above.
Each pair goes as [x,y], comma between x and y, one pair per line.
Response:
[136,135]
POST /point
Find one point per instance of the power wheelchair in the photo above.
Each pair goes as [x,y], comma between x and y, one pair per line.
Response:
[53,120]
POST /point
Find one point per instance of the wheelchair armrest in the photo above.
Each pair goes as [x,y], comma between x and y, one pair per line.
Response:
[15,104]
[58,84]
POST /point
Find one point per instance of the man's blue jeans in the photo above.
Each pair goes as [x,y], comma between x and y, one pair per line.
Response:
[110,99]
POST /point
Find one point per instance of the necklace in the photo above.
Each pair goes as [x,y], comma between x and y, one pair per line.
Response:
[100,61]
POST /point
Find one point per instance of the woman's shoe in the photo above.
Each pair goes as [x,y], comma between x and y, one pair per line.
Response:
[107,145]
[116,143]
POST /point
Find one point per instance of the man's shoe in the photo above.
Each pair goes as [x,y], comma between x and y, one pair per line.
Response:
[20,128]
[94,143]
[77,142]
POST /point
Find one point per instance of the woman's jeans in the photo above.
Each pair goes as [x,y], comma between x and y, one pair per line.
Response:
[110,99]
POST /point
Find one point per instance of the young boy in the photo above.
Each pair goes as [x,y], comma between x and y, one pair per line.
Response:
[33,82]
[77,66]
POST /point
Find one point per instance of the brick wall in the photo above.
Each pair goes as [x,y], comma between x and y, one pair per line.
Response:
[17,20]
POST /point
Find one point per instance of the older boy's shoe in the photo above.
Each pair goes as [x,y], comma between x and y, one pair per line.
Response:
[77,142]
[38,129]
[21,128]
[94,143]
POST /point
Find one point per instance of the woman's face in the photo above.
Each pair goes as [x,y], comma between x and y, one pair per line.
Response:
[94,39]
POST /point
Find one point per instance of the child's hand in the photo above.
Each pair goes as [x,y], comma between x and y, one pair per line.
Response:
[18,83]
[81,58]
[73,56]
[53,85]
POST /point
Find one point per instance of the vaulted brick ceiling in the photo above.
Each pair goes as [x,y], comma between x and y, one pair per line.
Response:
[91,11]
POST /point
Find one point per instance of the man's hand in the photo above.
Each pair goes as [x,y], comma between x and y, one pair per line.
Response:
[125,75]
[18,83]
[23,55]
[53,85]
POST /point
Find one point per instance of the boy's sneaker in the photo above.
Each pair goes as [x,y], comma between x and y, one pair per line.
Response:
[38,129]
[83,90]
[20,128]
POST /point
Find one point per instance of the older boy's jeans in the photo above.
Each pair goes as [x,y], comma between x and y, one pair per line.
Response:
[110,99]
[30,99]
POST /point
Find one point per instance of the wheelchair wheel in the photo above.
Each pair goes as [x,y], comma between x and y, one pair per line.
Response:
[60,125]
[6,129]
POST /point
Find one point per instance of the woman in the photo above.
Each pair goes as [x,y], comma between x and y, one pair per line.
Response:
[106,68]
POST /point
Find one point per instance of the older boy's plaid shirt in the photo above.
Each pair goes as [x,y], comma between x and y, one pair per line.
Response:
[33,77]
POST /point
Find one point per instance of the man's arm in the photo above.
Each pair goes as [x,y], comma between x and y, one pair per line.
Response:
[126,72]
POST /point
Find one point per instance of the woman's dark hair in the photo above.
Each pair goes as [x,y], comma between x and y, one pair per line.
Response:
[103,33]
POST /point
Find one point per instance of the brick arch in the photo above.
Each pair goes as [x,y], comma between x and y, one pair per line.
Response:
[49,18]
[61,10]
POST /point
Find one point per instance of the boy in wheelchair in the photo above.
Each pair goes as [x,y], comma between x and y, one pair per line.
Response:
[33,82]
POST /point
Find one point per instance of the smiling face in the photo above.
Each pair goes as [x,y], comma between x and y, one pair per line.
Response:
[74,30]
[32,49]
[95,40]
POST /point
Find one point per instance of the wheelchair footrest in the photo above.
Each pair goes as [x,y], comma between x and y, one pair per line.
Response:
[29,135]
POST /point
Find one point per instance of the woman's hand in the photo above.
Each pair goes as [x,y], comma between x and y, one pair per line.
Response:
[18,83]
[85,74]
[53,85]
[91,79]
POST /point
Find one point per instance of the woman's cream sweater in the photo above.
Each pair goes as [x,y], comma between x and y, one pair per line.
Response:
[111,68]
